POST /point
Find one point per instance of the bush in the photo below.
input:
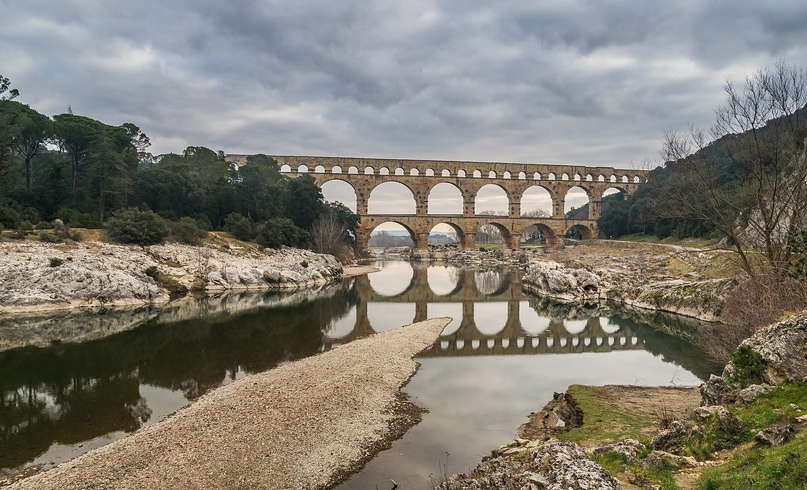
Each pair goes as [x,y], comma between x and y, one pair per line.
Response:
[276,232]
[77,219]
[240,227]
[56,262]
[188,230]
[9,218]
[748,366]
[44,225]
[47,237]
[132,225]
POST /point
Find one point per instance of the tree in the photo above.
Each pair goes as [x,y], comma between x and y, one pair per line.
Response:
[304,201]
[74,135]
[751,182]
[7,93]
[132,225]
[31,131]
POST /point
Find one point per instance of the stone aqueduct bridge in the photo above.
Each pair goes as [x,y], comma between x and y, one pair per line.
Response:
[421,176]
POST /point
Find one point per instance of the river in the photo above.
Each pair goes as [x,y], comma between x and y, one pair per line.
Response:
[71,383]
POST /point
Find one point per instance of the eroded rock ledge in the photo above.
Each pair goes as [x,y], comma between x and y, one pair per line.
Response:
[36,277]
[698,299]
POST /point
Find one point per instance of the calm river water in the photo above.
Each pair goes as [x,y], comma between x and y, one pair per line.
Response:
[72,383]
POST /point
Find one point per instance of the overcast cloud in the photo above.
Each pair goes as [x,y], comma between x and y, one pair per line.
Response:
[569,82]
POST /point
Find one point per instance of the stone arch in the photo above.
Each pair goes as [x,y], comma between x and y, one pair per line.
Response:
[285,168]
[536,176]
[491,282]
[538,234]
[414,172]
[369,171]
[601,178]
[353,170]
[576,197]
[492,197]
[589,178]
[637,180]
[579,232]
[477,174]
[336,169]
[429,172]
[449,233]
[461,173]
[390,235]
[550,176]
[340,190]
[302,169]
[612,178]
[536,201]
[493,232]
[577,177]
[445,198]
[444,280]
[319,169]
[492,174]
[625,179]
[565,176]
[445,173]
[383,171]
[391,198]
[522,176]
[507,175]
[399,171]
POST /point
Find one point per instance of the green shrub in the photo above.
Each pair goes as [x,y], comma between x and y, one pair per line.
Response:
[240,227]
[56,262]
[44,225]
[748,366]
[276,232]
[187,230]
[77,219]
[47,237]
[132,225]
[9,218]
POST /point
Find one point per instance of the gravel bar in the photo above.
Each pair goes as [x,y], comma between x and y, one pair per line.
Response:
[304,425]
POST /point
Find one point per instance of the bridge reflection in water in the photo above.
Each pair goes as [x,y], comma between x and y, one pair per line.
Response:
[491,314]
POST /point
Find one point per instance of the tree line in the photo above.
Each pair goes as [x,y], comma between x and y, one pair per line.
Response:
[83,171]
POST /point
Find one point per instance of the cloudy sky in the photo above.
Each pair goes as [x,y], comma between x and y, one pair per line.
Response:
[572,82]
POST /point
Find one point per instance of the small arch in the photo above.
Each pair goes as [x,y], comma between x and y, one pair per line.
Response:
[491,174]
[461,173]
[551,176]
[336,169]
[383,171]
[429,172]
[369,171]
[507,175]
[601,178]
[522,176]
[625,179]
[477,174]
[577,177]
[353,171]
[319,169]
[414,172]
[565,176]
[285,168]
[302,169]
[637,180]
[613,178]
[445,173]
[399,171]
[589,178]
[536,176]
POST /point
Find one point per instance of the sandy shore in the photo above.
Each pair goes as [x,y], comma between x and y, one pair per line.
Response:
[359,270]
[303,425]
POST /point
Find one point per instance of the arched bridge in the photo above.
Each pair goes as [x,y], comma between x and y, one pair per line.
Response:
[515,179]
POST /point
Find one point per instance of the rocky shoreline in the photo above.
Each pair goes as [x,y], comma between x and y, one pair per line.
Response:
[38,277]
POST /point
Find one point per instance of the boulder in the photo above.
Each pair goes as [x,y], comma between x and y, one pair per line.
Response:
[749,394]
[775,436]
[783,348]
[559,415]
[672,439]
[718,391]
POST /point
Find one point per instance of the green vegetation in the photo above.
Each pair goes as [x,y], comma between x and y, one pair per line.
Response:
[605,422]
[138,227]
[748,366]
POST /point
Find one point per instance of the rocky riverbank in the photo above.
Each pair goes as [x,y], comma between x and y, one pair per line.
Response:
[673,433]
[37,277]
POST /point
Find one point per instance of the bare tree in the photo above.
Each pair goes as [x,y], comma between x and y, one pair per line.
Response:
[751,185]
[330,237]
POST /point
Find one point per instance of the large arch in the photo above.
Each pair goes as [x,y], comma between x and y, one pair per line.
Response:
[445,198]
[391,234]
[391,198]
[579,232]
[494,233]
[492,199]
[576,199]
[339,190]
[537,202]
